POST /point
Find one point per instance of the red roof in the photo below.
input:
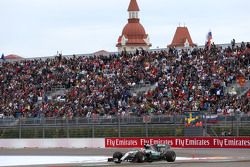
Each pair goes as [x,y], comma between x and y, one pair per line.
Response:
[120,39]
[136,42]
[134,29]
[135,34]
[180,37]
[13,57]
[133,6]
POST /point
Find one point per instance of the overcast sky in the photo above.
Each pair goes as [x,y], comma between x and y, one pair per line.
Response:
[34,28]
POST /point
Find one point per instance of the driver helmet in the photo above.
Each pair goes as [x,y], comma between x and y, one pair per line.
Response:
[146,146]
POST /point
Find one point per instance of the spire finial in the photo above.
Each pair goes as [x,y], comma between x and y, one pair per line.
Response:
[133,6]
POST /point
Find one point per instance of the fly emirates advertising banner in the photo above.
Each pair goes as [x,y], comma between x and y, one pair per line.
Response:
[198,142]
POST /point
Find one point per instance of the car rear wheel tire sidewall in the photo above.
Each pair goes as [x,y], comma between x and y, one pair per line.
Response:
[170,156]
[117,155]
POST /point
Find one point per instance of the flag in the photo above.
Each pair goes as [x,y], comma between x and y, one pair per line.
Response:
[209,39]
[2,57]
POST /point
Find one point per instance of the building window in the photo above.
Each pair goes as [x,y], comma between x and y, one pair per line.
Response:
[133,15]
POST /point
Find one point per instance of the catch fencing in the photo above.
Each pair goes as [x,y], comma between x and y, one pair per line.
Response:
[130,126]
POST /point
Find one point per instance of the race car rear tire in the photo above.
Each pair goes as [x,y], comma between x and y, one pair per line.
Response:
[139,157]
[117,155]
[170,156]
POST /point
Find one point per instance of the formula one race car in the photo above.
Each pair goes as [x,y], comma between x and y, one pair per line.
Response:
[150,153]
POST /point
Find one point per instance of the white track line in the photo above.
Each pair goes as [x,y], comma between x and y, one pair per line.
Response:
[45,160]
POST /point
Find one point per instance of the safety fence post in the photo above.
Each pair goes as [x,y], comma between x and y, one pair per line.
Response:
[67,124]
[43,124]
[119,126]
[20,128]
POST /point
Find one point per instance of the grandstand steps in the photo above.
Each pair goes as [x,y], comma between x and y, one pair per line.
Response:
[54,92]
[142,88]
[247,88]
[237,89]
[57,92]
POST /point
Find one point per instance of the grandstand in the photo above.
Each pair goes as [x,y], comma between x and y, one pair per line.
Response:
[144,83]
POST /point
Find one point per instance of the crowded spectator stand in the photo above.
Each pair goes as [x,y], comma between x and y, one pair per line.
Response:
[105,86]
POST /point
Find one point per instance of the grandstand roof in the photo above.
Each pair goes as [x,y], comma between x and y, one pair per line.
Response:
[13,57]
[102,53]
[181,36]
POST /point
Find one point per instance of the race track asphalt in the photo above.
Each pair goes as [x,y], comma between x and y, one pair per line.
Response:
[197,157]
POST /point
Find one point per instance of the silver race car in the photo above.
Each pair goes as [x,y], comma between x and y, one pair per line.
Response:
[150,153]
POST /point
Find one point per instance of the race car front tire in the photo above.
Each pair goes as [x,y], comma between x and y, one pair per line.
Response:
[139,157]
[170,156]
[117,157]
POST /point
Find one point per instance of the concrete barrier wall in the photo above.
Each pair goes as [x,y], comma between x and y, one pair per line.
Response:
[198,142]
[181,142]
[52,143]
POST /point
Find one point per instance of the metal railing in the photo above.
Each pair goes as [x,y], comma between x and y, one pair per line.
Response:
[153,126]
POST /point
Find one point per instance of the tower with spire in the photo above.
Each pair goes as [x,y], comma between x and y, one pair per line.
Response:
[133,35]
[182,38]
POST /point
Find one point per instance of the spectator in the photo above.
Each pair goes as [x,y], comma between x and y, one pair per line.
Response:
[145,83]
